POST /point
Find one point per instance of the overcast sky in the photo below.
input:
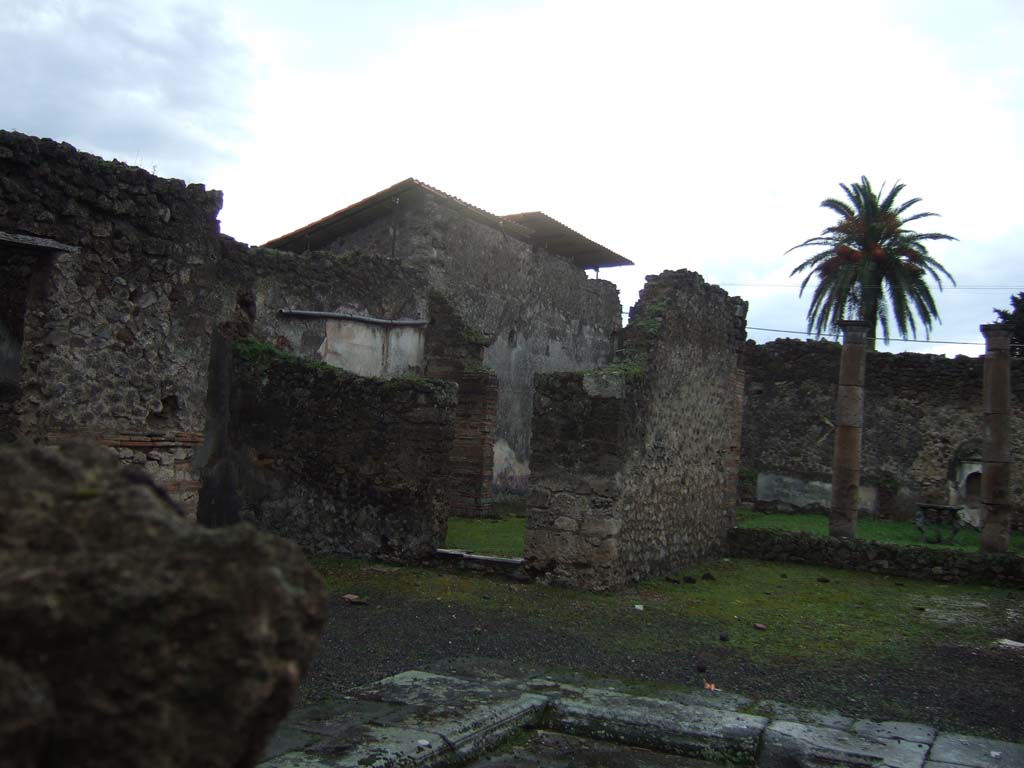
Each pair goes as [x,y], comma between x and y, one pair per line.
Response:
[698,135]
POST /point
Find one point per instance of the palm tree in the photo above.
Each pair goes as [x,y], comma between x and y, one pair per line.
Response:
[871,264]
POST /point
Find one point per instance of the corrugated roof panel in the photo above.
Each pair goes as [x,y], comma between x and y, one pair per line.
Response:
[558,238]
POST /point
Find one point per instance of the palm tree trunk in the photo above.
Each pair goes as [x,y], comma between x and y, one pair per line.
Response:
[869,313]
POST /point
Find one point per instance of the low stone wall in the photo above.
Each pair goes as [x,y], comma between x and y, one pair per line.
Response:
[634,467]
[333,461]
[946,565]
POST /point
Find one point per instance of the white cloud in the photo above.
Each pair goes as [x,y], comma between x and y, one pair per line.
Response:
[678,134]
[156,84]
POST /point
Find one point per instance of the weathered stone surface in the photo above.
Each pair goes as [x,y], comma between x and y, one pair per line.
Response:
[424,719]
[410,719]
[159,643]
[888,729]
[656,724]
[26,716]
[946,565]
[333,461]
[537,311]
[920,413]
[973,752]
[793,744]
[634,468]
[112,340]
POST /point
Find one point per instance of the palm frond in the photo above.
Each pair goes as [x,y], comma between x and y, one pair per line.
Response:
[871,265]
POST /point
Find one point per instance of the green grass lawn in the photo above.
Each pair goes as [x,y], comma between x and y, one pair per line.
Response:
[814,616]
[502,536]
[887,531]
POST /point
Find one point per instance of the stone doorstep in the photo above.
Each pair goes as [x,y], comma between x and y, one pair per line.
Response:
[462,554]
[503,566]
[430,720]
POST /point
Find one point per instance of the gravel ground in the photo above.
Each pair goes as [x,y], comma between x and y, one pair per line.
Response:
[953,688]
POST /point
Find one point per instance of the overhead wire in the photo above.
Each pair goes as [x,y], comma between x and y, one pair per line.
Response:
[827,335]
[944,288]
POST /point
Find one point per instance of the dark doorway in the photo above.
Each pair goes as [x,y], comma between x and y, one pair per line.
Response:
[15,277]
[972,489]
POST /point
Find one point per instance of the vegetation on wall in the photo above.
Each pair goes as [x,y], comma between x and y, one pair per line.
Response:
[1014,317]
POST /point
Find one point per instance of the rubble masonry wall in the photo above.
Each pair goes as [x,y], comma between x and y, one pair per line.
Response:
[336,462]
[536,311]
[120,339]
[635,466]
[919,410]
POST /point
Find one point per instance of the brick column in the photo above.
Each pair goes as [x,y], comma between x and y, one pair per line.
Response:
[842,520]
[995,473]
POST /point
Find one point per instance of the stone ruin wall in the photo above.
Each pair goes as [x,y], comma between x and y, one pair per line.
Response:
[115,337]
[918,411]
[119,338]
[454,352]
[536,311]
[635,466]
[337,462]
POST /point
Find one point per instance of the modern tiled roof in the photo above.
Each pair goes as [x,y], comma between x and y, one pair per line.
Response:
[535,228]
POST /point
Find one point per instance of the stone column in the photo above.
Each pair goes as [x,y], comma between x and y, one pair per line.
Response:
[995,473]
[842,520]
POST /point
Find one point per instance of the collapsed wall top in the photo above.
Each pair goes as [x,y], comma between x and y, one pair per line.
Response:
[535,228]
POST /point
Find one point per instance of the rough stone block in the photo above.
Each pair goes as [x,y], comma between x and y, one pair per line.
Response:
[563,523]
[97,550]
[666,726]
[600,526]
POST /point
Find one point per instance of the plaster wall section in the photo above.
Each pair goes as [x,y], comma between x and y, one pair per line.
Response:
[349,281]
[538,312]
[634,467]
[372,350]
[923,423]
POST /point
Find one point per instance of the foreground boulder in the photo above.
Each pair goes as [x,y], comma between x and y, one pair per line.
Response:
[130,636]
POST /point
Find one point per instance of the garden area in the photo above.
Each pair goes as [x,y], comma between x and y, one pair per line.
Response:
[860,644]
[504,536]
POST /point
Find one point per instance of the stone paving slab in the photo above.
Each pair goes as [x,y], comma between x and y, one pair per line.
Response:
[808,746]
[325,727]
[896,731]
[424,720]
[777,710]
[973,752]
